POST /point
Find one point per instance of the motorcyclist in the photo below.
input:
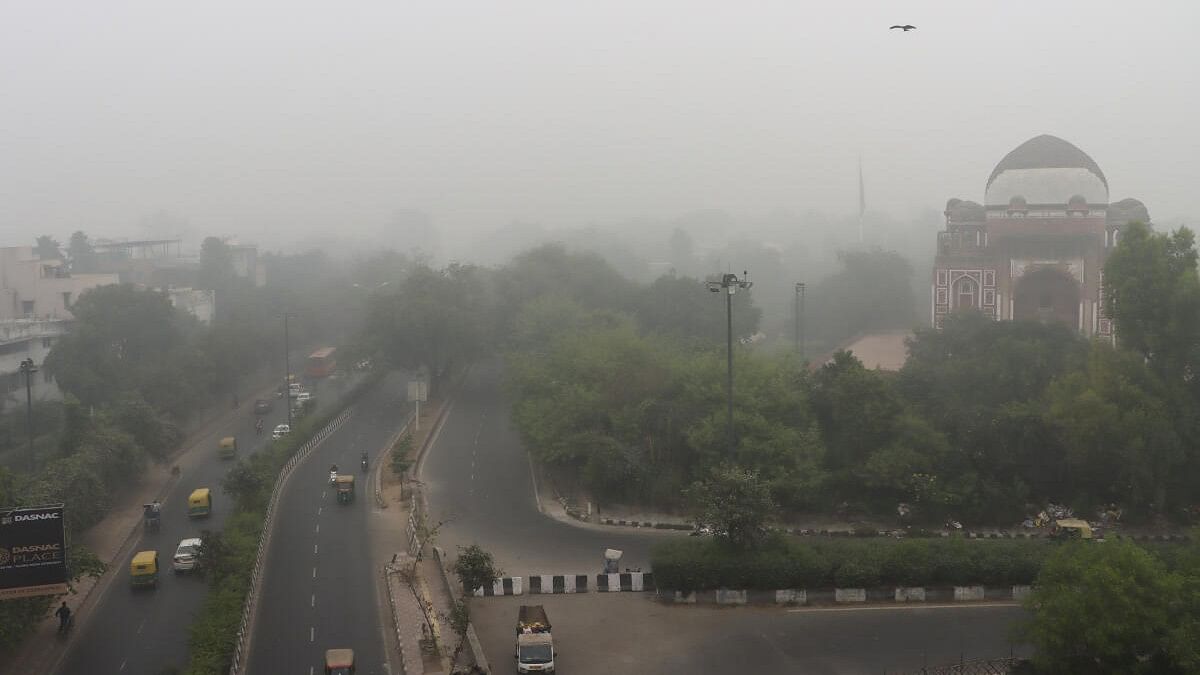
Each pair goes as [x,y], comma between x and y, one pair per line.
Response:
[333,472]
[363,461]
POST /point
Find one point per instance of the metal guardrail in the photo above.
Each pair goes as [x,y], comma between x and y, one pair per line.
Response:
[249,606]
[1001,666]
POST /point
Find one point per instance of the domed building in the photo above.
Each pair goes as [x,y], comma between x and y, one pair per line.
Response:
[1035,249]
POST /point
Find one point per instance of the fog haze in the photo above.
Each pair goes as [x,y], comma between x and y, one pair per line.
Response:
[276,121]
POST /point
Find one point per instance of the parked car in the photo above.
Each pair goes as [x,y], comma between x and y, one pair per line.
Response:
[302,398]
[262,406]
[186,555]
[281,431]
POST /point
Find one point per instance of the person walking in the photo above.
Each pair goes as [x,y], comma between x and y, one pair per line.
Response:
[64,617]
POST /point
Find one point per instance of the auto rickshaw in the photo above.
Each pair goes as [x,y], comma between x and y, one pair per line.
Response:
[345,488]
[1071,528]
[227,447]
[143,569]
[339,662]
[200,503]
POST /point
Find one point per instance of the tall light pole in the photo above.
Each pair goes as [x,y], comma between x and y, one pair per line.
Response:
[28,369]
[800,318]
[287,369]
[729,283]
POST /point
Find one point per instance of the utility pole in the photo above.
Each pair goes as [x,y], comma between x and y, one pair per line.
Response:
[287,368]
[800,288]
[28,369]
[729,283]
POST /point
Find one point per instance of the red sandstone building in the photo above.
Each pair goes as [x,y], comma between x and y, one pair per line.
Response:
[1035,249]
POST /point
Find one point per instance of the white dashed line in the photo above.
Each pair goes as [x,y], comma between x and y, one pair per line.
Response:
[312,633]
[319,510]
[313,601]
[314,549]
[318,528]
[314,573]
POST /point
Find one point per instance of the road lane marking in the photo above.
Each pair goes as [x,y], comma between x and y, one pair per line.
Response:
[915,605]
[123,664]
[312,633]
[314,549]
[318,528]
[313,601]
[314,573]
[323,493]
[319,510]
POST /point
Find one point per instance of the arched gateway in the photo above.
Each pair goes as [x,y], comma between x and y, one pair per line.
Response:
[1035,249]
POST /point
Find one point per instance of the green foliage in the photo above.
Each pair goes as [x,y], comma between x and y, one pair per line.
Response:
[781,562]
[1112,608]
[401,459]
[736,504]
[436,318]
[475,567]
[48,248]
[872,290]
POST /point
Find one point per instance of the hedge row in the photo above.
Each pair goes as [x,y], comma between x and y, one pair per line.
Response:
[700,564]
[214,632]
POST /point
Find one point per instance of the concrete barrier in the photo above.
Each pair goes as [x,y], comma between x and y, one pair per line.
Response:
[910,594]
[625,581]
[558,583]
[1021,592]
[682,598]
[791,596]
[502,586]
[726,596]
[850,595]
[968,593]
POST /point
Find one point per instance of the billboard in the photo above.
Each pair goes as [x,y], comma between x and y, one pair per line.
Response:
[33,552]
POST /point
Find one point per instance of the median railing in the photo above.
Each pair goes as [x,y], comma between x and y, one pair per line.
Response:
[264,539]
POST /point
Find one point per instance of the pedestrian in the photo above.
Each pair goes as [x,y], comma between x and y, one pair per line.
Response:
[64,617]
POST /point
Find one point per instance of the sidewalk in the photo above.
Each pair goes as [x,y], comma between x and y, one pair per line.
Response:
[419,595]
[42,651]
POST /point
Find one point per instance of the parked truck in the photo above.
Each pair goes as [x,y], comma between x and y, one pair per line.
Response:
[535,645]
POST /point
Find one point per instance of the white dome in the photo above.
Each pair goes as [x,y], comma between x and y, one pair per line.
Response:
[1046,170]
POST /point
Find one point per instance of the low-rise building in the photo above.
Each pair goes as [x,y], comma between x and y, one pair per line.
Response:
[22,339]
[32,288]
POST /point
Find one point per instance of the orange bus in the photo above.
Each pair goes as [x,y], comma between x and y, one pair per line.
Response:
[322,362]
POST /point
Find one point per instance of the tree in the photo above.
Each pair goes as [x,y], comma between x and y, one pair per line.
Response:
[872,290]
[683,308]
[48,248]
[437,318]
[1104,608]
[216,265]
[735,503]
[81,253]
[1123,430]
[1152,292]
[475,568]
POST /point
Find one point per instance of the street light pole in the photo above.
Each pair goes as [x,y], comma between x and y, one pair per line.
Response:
[287,368]
[800,288]
[729,283]
[28,369]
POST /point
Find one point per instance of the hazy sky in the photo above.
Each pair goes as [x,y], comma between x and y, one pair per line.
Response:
[270,118]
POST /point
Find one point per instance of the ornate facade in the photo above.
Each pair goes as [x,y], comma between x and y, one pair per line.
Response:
[1035,249]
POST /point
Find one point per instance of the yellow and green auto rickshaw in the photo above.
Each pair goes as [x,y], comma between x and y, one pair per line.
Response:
[143,569]
[200,503]
[227,447]
[345,488]
[339,662]
[1071,528]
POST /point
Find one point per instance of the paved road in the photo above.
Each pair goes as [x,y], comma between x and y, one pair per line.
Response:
[600,634]
[146,631]
[478,480]
[322,587]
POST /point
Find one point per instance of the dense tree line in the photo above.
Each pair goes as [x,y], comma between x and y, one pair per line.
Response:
[985,417]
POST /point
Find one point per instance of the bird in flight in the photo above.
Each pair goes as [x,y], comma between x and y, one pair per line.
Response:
[904,28]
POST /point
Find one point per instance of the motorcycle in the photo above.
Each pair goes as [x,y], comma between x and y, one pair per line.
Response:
[332,477]
[364,464]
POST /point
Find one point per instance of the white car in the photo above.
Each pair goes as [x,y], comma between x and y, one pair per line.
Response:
[186,555]
[281,431]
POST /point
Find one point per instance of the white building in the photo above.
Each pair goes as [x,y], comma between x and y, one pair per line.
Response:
[35,310]
[199,303]
[32,288]
[22,339]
